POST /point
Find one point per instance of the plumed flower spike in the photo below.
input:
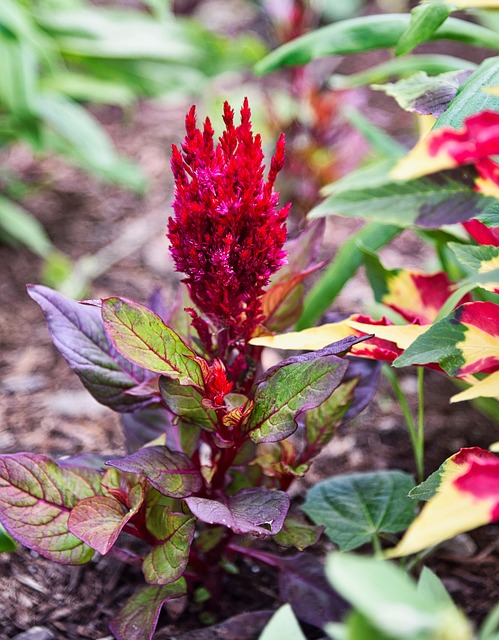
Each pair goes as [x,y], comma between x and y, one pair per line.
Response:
[227,233]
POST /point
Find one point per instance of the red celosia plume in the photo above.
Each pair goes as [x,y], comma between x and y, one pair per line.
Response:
[227,233]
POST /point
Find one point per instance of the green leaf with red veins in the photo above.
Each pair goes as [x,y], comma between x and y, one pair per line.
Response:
[185,402]
[168,560]
[36,498]
[170,472]
[294,386]
[142,337]
[99,520]
[139,617]
[255,510]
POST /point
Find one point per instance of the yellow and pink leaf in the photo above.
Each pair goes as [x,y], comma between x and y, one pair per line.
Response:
[468,497]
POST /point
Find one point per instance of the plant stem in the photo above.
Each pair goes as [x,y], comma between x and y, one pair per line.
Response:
[416,433]
[377,548]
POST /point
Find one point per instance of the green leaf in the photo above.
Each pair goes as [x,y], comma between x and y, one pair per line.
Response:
[186,403]
[85,88]
[443,198]
[7,544]
[142,337]
[490,626]
[348,259]
[99,520]
[365,34]
[425,20]
[471,97]
[297,533]
[22,227]
[36,498]
[139,617]
[170,472]
[291,388]
[357,507]
[168,560]
[400,68]
[374,174]
[378,139]
[283,626]
[428,488]
[431,586]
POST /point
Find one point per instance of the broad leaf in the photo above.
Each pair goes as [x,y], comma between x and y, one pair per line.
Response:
[466,341]
[388,597]
[477,261]
[486,388]
[467,497]
[283,626]
[444,198]
[186,403]
[77,331]
[423,94]
[143,426]
[168,559]
[255,510]
[294,386]
[99,520]
[36,498]
[170,472]
[425,20]
[142,337]
[365,34]
[303,584]
[357,507]
[139,617]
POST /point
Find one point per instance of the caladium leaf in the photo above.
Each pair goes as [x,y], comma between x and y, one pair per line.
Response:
[36,498]
[170,472]
[467,497]
[255,510]
[139,617]
[99,520]
[293,387]
[466,341]
[356,507]
[168,560]
[186,403]
[78,333]
[142,337]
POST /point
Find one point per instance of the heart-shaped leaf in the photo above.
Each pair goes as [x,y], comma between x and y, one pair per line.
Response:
[357,507]
[170,472]
[254,510]
[293,387]
[36,498]
[78,332]
[142,337]
[98,520]
[139,617]
[168,560]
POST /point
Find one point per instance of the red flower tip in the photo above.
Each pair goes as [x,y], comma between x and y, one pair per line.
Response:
[227,233]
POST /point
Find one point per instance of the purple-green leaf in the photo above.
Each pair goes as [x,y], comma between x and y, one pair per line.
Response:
[170,472]
[294,386]
[255,510]
[185,402]
[36,498]
[142,337]
[139,617]
[78,333]
[143,426]
[98,520]
[297,533]
[168,560]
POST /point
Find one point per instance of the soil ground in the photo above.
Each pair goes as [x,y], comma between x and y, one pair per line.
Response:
[43,407]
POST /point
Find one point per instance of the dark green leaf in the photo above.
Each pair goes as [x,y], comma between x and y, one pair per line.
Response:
[357,507]
[7,544]
[428,488]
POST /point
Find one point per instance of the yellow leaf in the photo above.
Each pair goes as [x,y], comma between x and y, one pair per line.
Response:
[308,339]
[473,4]
[402,335]
[486,388]
[418,162]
